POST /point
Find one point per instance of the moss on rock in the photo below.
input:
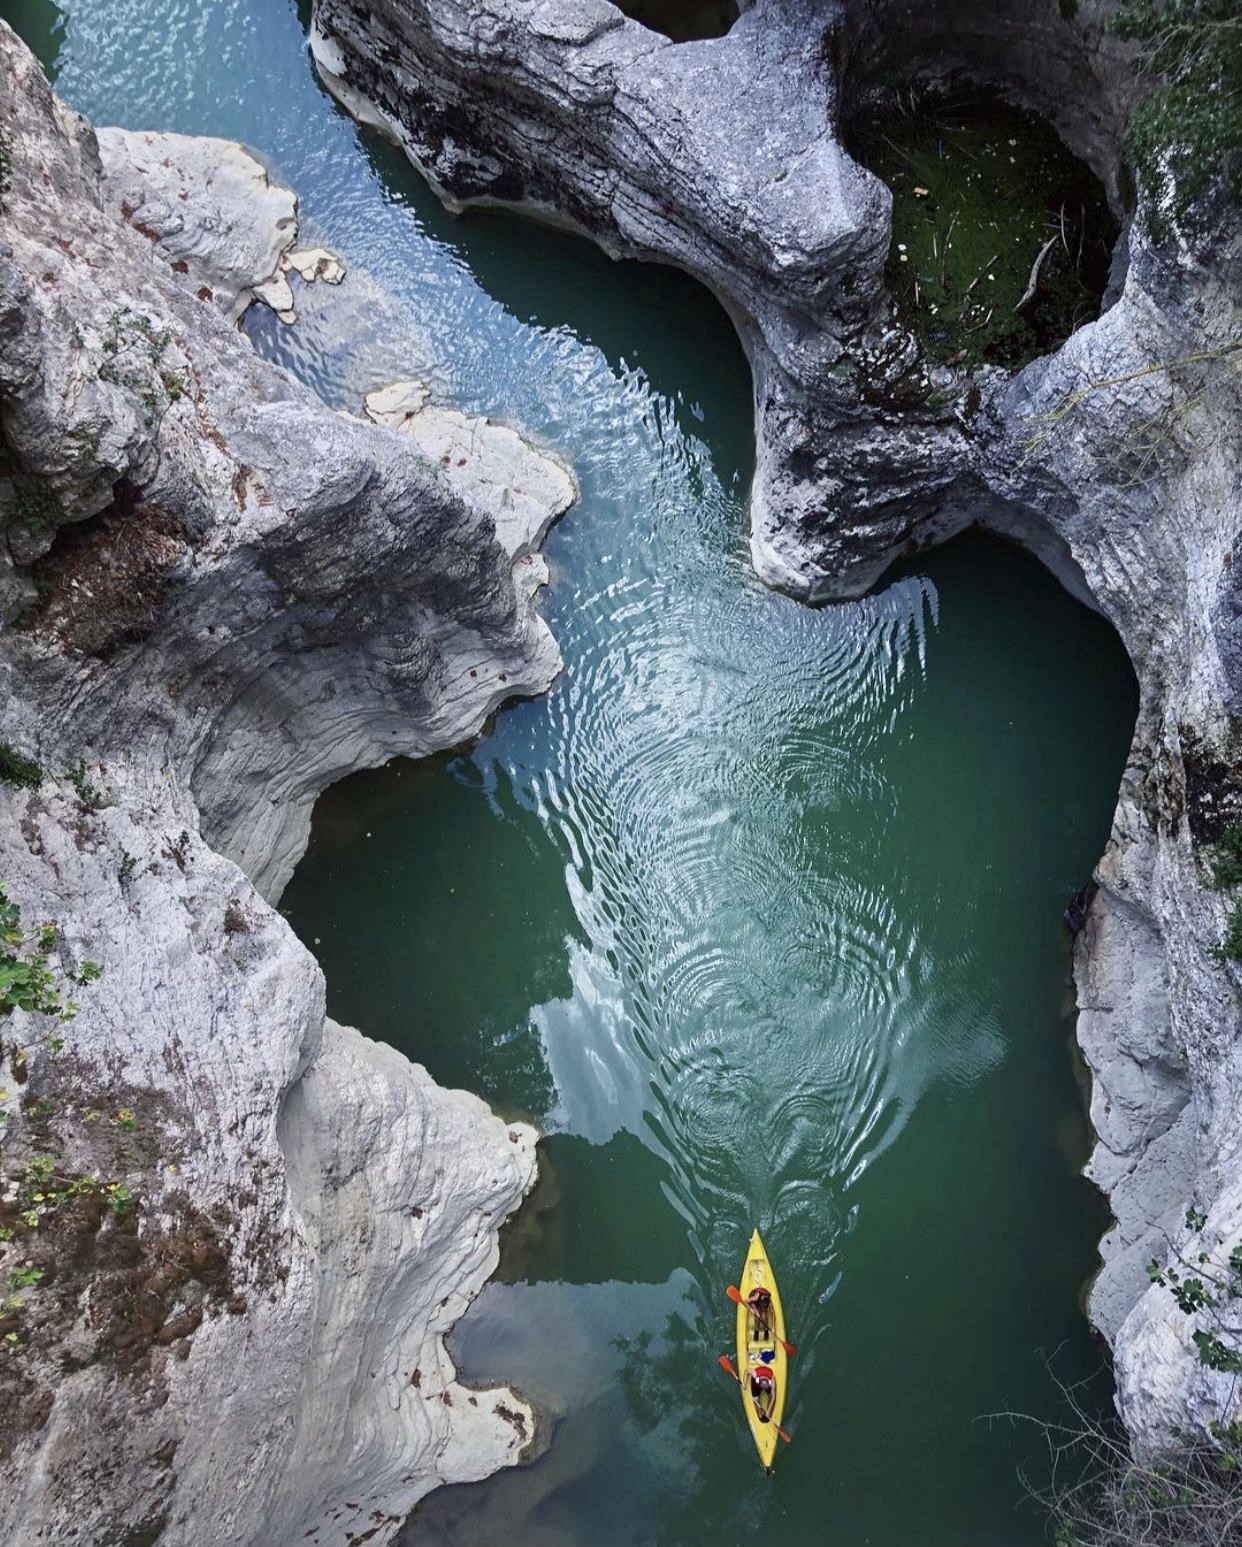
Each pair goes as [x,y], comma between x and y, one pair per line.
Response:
[1001,238]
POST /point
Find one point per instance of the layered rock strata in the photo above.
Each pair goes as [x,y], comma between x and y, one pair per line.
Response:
[254,1226]
[1115,459]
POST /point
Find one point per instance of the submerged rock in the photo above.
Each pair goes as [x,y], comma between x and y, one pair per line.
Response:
[1114,459]
[220,595]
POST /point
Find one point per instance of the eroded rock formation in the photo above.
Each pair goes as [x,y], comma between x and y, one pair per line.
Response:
[723,156]
[254,1226]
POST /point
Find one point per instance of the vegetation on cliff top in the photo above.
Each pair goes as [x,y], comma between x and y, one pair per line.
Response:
[1186,137]
[1100,1494]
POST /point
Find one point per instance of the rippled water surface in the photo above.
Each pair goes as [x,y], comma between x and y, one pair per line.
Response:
[756,914]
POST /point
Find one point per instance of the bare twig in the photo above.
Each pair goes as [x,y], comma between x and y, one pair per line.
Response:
[944,257]
[1032,284]
[978,277]
[1049,420]
[1099,1494]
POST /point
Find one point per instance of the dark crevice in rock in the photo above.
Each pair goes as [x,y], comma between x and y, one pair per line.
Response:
[1064,67]
[1002,240]
[968,505]
[683,21]
[108,580]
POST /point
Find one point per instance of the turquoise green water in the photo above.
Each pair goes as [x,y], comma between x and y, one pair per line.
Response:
[757,913]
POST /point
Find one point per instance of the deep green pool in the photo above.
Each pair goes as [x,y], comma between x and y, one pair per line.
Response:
[757,913]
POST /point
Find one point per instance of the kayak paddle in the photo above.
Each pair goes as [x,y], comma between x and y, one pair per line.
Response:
[736,1294]
[727,1365]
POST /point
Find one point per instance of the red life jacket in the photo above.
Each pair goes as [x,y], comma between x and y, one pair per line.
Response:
[763,1375]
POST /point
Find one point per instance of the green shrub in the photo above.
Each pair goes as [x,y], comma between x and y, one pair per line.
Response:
[1230,948]
[28,980]
[1186,137]
[33,503]
[1215,1353]
[18,770]
[1225,859]
[90,796]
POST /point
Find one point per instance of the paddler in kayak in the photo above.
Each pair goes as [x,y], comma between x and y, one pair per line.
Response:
[759,1303]
[763,1392]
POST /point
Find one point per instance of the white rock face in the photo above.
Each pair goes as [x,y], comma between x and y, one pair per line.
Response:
[521,489]
[357,1203]
[721,156]
[243,596]
[212,210]
[208,204]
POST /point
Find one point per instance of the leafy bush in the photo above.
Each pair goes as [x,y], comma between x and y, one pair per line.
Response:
[18,770]
[1225,860]
[1186,137]
[28,981]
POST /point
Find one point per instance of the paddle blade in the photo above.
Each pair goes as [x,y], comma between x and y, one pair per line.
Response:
[789,1348]
[735,1294]
[727,1365]
[783,1435]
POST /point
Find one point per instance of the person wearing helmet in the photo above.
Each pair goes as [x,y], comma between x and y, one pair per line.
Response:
[759,1304]
[763,1392]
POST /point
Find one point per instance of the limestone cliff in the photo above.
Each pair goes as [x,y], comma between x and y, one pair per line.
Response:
[723,156]
[254,1227]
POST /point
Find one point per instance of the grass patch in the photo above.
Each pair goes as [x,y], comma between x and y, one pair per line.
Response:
[984,198]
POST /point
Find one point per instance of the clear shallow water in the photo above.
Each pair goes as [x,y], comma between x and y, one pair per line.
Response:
[757,913]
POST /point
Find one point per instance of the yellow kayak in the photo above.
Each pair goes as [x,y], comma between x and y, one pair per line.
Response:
[753,1341]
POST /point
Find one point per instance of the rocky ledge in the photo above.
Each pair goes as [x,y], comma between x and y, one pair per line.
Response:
[1115,459]
[217,596]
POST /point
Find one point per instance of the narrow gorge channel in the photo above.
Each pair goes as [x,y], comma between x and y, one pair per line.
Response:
[756,915]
